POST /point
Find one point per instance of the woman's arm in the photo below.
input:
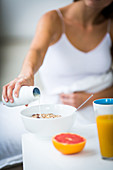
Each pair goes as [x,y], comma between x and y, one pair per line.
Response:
[77,98]
[47,31]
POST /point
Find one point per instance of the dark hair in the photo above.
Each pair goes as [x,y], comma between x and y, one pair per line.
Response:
[107,12]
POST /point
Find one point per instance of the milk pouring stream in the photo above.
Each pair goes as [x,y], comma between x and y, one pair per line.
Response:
[27,94]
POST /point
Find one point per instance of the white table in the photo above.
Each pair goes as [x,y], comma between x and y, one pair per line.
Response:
[41,155]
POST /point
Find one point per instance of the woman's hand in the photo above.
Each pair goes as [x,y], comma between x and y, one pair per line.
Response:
[15,85]
[75,99]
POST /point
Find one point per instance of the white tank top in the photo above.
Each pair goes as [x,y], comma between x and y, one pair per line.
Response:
[64,64]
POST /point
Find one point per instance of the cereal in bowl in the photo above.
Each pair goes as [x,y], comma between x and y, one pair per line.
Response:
[43,115]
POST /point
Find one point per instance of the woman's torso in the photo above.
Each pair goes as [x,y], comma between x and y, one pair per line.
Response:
[66,61]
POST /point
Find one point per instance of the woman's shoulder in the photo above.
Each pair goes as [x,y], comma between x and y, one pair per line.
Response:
[56,14]
[51,23]
[52,19]
[50,16]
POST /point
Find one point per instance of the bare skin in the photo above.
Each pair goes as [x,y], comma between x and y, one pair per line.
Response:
[83,25]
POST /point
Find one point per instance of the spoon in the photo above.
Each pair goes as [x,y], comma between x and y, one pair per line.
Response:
[84,102]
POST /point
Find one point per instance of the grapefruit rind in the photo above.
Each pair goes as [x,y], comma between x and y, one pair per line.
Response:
[69,148]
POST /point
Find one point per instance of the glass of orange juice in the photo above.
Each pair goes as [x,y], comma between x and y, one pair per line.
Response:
[104,119]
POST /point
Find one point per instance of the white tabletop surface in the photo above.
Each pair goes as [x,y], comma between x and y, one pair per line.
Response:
[41,155]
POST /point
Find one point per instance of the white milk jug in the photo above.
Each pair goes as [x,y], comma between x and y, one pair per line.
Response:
[27,94]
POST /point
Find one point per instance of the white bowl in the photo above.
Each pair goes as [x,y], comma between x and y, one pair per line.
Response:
[51,126]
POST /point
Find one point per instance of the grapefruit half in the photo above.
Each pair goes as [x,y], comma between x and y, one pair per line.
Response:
[68,143]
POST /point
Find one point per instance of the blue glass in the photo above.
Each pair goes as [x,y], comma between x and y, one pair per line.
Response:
[105,101]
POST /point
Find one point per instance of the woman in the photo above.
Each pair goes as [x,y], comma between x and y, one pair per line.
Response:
[69,44]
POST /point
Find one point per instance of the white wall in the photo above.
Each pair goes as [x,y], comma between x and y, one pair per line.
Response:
[20,17]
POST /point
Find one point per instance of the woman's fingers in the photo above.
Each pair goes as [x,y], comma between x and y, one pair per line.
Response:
[70,99]
[10,92]
[17,89]
[63,95]
[16,85]
[74,99]
[21,81]
[4,93]
[67,99]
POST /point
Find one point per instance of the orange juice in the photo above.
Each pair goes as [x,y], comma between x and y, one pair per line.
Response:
[105,134]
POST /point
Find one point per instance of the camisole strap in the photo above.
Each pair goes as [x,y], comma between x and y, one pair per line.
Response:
[109,25]
[62,19]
